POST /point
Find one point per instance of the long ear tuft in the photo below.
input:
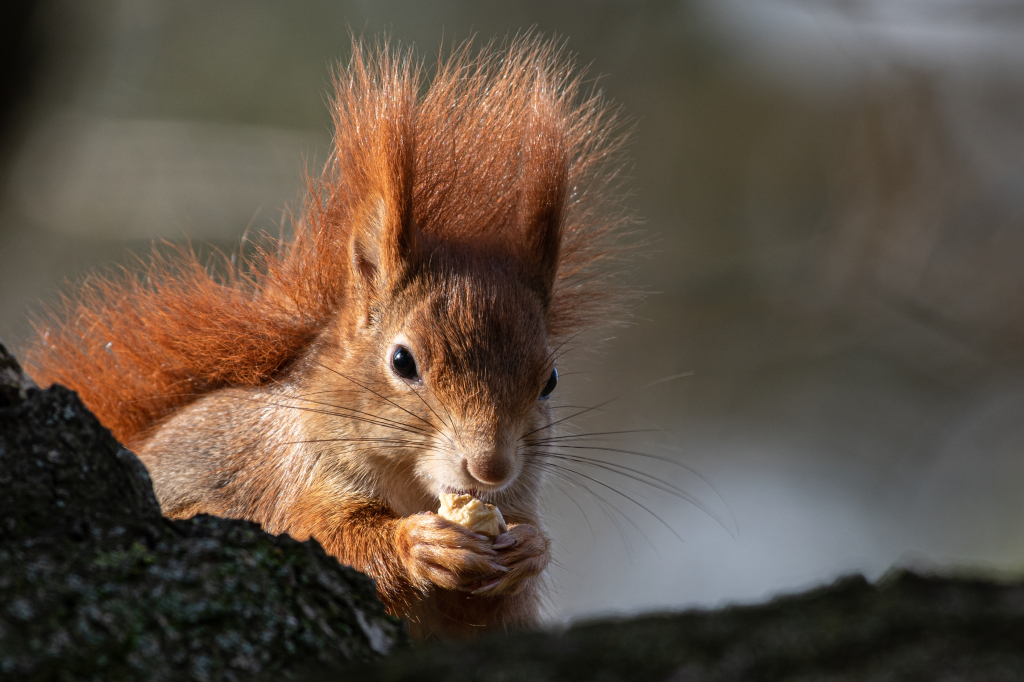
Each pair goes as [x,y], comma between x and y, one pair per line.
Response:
[374,160]
[544,180]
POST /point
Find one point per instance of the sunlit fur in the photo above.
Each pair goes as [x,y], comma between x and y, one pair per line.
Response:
[470,217]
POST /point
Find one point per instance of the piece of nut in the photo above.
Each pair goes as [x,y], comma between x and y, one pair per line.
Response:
[470,512]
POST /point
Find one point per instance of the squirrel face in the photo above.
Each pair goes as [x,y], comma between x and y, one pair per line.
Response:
[481,354]
[447,358]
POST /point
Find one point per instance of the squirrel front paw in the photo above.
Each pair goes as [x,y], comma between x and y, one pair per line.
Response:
[439,552]
[523,551]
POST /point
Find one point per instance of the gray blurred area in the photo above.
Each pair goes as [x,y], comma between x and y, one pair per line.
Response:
[830,362]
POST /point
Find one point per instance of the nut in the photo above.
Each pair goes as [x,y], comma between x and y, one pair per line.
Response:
[470,512]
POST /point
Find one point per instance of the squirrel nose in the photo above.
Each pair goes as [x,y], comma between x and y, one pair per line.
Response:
[492,468]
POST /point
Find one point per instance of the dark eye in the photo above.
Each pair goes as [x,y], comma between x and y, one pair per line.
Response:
[403,363]
[550,386]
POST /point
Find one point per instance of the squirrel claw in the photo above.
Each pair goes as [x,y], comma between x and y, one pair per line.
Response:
[504,541]
[489,586]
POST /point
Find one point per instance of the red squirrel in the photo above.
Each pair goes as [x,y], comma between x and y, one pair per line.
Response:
[400,344]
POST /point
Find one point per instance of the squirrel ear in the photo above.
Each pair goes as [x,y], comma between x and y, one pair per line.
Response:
[380,251]
[542,207]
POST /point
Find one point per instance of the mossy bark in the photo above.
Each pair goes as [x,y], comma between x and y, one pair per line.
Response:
[96,584]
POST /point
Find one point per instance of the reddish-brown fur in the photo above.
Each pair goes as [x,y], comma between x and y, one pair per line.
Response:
[472,221]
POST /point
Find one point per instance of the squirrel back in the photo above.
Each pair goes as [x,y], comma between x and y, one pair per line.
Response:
[399,345]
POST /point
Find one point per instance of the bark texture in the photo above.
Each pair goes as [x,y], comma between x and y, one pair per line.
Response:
[96,584]
[906,627]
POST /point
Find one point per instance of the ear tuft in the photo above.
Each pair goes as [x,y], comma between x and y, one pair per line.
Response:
[544,177]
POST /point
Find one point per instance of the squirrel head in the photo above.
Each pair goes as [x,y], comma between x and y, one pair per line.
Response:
[463,218]
[443,345]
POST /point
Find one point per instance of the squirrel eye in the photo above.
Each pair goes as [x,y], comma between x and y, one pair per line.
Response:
[550,386]
[403,363]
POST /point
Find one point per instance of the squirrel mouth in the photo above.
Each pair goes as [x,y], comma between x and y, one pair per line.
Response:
[448,490]
[482,495]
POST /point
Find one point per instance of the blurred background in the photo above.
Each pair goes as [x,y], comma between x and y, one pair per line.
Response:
[833,195]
